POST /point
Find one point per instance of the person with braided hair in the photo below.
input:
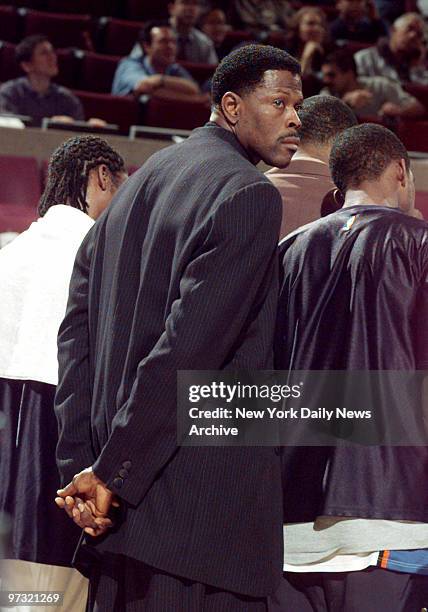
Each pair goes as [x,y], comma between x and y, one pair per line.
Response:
[35,269]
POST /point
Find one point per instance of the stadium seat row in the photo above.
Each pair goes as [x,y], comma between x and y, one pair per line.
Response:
[105,34]
[130,9]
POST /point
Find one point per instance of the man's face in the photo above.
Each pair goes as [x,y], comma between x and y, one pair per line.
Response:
[186,12]
[335,79]
[163,48]
[352,10]
[268,121]
[43,61]
[311,27]
[215,26]
[409,36]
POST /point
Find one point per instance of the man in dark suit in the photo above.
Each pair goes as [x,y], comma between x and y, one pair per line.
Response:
[181,274]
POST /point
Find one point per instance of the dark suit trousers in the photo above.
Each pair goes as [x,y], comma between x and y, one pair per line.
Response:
[119,583]
[370,590]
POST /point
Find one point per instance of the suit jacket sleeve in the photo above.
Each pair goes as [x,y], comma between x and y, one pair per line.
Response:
[219,291]
[73,395]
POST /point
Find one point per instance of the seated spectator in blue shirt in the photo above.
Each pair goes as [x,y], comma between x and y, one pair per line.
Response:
[155,73]
[355,22]
[192,45]
[34,95]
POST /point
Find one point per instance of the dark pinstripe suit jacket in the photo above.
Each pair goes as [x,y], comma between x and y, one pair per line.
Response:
[179,273]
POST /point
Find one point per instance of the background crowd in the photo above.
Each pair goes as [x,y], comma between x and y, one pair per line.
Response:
[141,63]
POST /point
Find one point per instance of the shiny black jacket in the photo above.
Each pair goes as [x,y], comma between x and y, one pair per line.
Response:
[354,296]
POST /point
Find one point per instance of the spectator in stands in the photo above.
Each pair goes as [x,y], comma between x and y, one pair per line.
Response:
[367,96]
[309,38]
[260,17]
[155,73]
[306,180]
[214,24]
[35,95]
[192,44]
[402,57]
[355,23]
[35,269]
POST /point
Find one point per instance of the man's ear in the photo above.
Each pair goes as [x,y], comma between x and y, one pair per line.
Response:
[402,172]
[103,177]
[231,105]
[25,67]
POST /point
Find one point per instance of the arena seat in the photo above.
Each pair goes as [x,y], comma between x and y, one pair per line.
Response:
[419,91]
[68,65]
[143,11]
[88,7]
[63,30]
[414,134]
[10,26]
[200,72]
[123,111]
[20,181]
[9,68]
[97,72]
[16,219]
[175,114]
[354,45]
[234,37]
[117,36]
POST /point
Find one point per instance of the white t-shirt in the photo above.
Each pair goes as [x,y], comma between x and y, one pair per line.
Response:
[338,544]
[35,271]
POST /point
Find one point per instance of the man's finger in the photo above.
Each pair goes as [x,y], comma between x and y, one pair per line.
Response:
[70,489]
[95,532]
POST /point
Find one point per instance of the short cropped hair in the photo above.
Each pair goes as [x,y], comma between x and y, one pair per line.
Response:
[145,34]
[323,117]
[243,69]
[24,51]
[362,153]
[342,59]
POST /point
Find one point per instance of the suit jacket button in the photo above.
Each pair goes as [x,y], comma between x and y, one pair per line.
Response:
[126,465]
[123,473]
[118,482]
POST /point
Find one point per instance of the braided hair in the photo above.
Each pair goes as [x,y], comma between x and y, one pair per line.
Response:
[69,170]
